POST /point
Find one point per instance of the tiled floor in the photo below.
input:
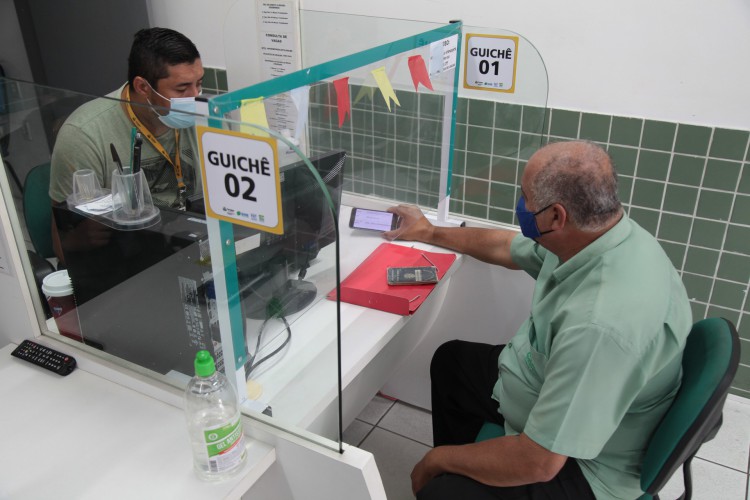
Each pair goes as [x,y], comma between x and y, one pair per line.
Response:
[398,435]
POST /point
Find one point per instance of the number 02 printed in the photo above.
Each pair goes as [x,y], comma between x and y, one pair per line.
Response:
[490,62]
[241,178]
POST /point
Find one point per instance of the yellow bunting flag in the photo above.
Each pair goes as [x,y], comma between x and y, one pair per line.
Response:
[364,91]
[253,111]
[385,86]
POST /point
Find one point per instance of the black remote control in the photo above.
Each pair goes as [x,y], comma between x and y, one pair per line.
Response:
[52,360]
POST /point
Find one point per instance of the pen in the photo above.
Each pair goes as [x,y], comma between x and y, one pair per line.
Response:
[137,153]
[115,157]
[133,131]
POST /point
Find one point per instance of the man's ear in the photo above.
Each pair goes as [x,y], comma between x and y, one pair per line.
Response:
[559,217]
[141,86]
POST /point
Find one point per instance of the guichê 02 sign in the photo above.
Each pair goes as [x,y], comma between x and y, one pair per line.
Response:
[240,175]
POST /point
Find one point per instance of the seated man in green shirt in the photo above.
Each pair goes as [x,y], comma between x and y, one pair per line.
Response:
[588,376]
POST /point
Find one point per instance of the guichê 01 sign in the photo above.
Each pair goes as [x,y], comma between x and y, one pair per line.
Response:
[490,62]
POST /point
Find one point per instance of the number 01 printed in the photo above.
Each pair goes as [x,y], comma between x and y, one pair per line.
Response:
[490,62]
[240,175]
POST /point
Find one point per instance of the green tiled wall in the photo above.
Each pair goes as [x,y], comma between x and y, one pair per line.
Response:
[215,81]
[688,185]
[392,153]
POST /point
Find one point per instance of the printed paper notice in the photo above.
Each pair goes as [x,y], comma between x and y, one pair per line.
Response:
[490,62]
[280,55]
[443,55]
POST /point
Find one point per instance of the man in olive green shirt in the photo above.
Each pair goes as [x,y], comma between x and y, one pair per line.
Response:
[591,372]
[165,74]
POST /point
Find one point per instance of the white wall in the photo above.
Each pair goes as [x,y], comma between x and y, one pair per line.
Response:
[16,322]
[201,21]
[670,60]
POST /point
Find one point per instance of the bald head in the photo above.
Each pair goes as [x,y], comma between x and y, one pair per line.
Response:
[580,176]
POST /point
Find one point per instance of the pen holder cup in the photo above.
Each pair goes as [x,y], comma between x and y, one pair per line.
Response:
[86,186]
[131,198]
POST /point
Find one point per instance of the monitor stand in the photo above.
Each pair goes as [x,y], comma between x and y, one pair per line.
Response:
[276,295]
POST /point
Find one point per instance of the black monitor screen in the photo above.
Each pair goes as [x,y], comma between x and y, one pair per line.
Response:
[309,226]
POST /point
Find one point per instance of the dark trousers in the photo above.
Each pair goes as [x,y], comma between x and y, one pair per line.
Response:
[462,376]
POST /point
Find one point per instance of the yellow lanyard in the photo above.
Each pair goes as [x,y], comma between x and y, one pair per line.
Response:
[176,164]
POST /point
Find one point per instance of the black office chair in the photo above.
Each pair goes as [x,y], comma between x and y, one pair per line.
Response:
[709,364]
[37,212]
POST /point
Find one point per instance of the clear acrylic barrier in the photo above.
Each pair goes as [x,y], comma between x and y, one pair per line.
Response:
[398,134]
[397,165]
[149,298]
[364,105]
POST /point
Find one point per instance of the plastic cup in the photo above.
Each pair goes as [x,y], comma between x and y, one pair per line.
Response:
[58,290]
[131,198]
[86,186]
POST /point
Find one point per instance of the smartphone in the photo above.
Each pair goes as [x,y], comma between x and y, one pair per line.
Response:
[411,275]
[375,220]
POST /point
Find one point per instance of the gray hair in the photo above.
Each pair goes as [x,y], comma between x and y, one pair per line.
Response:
[583,179]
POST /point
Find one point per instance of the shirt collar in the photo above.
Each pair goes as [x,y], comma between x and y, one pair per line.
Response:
[609,240]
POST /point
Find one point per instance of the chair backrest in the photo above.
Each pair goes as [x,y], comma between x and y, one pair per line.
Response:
[37,209]
[709,364]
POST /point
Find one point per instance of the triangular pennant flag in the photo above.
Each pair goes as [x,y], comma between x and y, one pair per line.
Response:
[301,98]
[253,111]
[384,84]
[364,91]
[342,98]
[419,73]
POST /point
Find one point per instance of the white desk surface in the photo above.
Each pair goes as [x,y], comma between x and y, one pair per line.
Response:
[84,437]
[302,382]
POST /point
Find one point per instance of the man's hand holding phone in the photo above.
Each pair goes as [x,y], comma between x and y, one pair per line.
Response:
[413,225]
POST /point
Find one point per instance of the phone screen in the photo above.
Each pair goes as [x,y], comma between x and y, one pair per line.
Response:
[377,220]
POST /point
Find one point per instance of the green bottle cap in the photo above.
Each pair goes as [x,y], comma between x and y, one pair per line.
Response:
[204,364]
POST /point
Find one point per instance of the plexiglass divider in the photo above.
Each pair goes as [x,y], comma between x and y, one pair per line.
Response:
[148,298]
[376,104]
[278,308]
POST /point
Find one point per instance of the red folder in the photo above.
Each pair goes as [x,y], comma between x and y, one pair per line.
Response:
[367,285]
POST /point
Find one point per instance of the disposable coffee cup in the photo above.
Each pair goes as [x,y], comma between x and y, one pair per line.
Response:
[58,290]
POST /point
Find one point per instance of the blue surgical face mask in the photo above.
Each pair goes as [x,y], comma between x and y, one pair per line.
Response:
[527,220]
[178,116]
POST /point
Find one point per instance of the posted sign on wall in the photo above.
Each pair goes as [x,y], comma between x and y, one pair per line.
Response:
[490,62]
[241,178]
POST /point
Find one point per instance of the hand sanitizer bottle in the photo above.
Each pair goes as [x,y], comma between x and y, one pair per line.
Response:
[214,424]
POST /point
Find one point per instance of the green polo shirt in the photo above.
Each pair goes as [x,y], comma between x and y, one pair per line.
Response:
[591,372]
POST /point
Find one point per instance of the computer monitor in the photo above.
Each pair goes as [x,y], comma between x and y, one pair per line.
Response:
[271,282]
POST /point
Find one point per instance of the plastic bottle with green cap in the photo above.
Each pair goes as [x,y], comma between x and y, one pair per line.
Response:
[214,425]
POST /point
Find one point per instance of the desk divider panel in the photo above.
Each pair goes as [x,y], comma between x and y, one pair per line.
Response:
[364,105]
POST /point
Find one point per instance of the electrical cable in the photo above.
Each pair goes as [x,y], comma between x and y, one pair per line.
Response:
[251,364]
